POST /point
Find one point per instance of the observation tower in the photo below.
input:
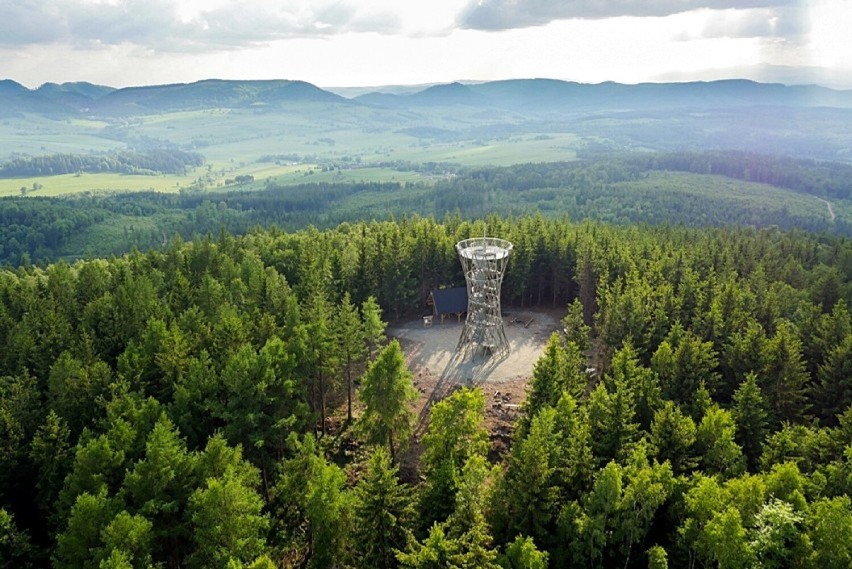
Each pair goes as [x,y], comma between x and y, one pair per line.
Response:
[484,261]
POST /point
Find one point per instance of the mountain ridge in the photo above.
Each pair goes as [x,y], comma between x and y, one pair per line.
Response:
[536,95]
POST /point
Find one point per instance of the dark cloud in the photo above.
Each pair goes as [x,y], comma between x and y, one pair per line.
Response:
[157,24]
[508,14]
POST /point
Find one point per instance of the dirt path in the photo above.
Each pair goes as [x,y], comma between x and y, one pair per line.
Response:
[830,209]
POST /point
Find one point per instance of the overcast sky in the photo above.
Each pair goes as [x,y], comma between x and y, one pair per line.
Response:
[392,42]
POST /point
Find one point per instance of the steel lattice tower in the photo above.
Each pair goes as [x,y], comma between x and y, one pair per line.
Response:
[484,261]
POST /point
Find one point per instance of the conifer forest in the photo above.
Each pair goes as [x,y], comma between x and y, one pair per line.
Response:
[233,401]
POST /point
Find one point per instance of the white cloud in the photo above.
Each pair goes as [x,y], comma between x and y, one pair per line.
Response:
[785,23]
[509,14]
[355,42]
[166,25]
[197,25]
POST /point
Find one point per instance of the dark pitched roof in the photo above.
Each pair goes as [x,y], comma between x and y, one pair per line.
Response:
[450,300]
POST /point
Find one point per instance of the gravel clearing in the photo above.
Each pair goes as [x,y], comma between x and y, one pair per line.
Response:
[431,350]
[430,353]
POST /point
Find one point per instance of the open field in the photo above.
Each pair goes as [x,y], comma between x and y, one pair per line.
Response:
[233,140]
[73,183]
[35,135]
[367,174]
[498,151]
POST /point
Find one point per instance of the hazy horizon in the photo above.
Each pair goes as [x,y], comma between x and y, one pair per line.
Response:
[403,88]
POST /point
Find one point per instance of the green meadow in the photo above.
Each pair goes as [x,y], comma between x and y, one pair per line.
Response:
[355,141]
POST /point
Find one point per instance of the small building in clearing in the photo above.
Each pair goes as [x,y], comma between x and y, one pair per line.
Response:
[449,301]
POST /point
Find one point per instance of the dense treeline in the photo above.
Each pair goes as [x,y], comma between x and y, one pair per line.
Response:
[190,407]
[149,161]
[40,227]
[616,190]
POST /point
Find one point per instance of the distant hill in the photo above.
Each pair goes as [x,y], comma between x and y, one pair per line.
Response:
[528,96]
[534,95]
[353,92]
[212,93]
[75,98]
[78,96]
[16,99]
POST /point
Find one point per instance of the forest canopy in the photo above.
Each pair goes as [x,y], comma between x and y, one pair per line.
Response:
[150,161]
[140,393]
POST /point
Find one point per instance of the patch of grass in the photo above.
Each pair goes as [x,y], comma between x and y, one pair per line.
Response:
[658,193]
[73,183]
[367,174]
[34,135]
[117,234]
[497,152]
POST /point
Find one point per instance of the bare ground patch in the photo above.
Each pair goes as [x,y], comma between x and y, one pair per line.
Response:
[430,353]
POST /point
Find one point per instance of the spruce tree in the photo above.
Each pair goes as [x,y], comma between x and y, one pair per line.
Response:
[784,376]
[350,340]
[834,392]
[382,512]
[750,419]
[387,392]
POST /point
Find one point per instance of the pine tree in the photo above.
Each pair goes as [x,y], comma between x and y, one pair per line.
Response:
[557,371]
[374,326]
[463,541]
[785,377]
[683,362]
[51,454]
[596,520]
[750,419]
[626,368]
[744,353]
[467,523]
[328,511]
[834,392]
[456,432]
[158,487]
[79,544]
[612,415]
[227,522]
[673,436]
[130,535]
[576,467]
[575,328]
[382,512]
[435,552]
[321,351]
[387,392]
[350,340]
[528,490]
